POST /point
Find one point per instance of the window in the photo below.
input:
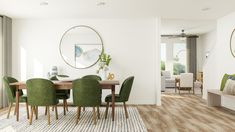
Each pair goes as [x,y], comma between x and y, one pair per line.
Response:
[173,56]
[179,64]
[163,56]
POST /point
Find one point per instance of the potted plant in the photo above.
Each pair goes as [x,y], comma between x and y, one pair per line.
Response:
[104,61]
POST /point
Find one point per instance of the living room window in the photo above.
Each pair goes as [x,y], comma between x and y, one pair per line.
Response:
[173,56]
[179,63]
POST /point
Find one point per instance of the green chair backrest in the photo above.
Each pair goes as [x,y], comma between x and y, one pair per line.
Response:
[10,90]
[86,92]
[126,88]
[98,78]
[40,92]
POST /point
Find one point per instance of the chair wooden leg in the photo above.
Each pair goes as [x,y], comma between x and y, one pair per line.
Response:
[56,112]
[45,110]
[64,106]
[84,109]
[15,110]
[27,108]
[106,111]
[9,110]
[78,114]
[52,108]
[126,113]
[94,115]
[36,112]
[98,112]
[31,116]
[48,115]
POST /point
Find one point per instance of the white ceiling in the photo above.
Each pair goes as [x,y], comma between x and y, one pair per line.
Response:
[173,9]
[195,27]
[177,14]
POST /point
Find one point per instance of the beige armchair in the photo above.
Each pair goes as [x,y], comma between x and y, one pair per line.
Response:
[186,82]
[169,80]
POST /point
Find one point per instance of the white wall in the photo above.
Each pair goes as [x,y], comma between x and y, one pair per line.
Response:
[130,42]
[225,61]
[199,53]
[1,63]
[220,60]
[207,43]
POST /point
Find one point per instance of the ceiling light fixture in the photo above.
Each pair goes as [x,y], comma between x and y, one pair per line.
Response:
[44,3]
[206,9]
[102,3]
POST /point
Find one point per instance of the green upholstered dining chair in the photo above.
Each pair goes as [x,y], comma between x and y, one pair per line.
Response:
[86,93]
[62,94]
[123,95]
[98,78]
[11,94]
[41,92]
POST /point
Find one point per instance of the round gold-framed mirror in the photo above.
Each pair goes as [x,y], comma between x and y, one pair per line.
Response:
[232,43]
[80,47]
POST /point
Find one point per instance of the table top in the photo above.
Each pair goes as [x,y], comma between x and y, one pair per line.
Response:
[103,82]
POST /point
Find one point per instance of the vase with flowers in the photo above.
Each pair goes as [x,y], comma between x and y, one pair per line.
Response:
[103,65]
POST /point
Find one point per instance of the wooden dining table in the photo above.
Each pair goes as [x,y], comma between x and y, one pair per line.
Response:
[65,85]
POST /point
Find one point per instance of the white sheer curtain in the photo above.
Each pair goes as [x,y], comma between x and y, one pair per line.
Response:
[5,55]
[2,94]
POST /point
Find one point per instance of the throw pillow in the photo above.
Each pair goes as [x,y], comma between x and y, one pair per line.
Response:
[229,87]
[224,80]
[231,77]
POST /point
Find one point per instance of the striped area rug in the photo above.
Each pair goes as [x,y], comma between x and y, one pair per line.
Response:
[67,123]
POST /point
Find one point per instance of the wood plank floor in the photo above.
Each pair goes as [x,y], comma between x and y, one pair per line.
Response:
[186,112]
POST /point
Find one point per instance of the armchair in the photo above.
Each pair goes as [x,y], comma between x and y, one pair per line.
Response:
[169,80]
[186,82]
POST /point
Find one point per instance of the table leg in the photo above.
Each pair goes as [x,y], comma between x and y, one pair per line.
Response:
[113,102]
[17,104]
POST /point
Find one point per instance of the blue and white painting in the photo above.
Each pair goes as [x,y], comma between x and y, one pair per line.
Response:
[86,54]
[78,51]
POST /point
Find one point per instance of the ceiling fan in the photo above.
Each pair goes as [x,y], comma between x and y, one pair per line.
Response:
[181,35]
